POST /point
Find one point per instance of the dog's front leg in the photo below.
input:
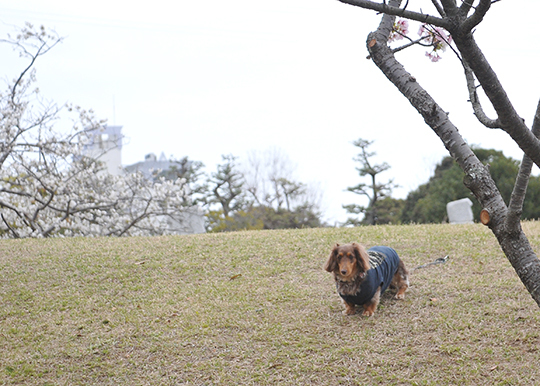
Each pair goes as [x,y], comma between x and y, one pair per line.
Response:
[371,306]
[350,308]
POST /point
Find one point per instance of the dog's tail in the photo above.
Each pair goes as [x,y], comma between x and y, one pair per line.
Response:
[440,260]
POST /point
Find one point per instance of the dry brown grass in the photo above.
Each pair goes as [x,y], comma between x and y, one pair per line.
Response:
[256,308]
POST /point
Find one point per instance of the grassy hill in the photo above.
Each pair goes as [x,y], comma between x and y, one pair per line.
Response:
[256,308]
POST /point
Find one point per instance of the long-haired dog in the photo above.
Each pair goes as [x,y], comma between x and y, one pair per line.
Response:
[362,276]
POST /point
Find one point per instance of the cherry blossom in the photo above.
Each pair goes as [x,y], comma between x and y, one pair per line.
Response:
[437,38]
[399,30]
[49,186]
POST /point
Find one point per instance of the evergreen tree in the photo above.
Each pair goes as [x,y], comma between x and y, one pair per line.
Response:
[373,190]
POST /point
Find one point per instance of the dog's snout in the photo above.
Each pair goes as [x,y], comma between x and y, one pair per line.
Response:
[343,271]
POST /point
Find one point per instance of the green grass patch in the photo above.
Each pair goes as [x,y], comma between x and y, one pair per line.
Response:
[256,308]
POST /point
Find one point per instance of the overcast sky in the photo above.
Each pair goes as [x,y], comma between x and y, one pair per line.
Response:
[206,78]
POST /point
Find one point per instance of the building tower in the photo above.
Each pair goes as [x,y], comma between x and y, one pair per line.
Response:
[106,147]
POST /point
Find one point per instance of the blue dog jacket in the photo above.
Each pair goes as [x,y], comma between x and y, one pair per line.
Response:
[383,264]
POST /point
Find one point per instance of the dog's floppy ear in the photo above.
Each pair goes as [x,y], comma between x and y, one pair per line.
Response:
[332,263]
[361,256]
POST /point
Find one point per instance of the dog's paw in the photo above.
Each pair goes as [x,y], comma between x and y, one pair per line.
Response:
[368,313]
[348,312]
[400,296]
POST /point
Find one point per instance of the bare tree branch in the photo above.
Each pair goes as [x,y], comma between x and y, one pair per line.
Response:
[411,43]
[508,117]
[396,11]
[475,101]
[449,6]
[8,226]
[439,8]
[465,7]
[477,17]
[46,42]
[515,206]
[137,219]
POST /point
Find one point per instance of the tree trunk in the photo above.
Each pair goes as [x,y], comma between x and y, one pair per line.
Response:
[509,234]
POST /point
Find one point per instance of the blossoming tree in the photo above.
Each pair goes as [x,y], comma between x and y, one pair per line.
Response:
[453,25]
[49,186]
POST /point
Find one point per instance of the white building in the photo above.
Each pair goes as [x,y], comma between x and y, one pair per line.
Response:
[150,164]
[106,147]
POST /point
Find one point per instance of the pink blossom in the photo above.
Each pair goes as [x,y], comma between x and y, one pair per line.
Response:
[400,28]
[437,37]
[433,56]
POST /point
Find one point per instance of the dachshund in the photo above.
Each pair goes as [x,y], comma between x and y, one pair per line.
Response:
[362,276]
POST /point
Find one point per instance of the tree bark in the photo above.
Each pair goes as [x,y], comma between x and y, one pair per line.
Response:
[509,234]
